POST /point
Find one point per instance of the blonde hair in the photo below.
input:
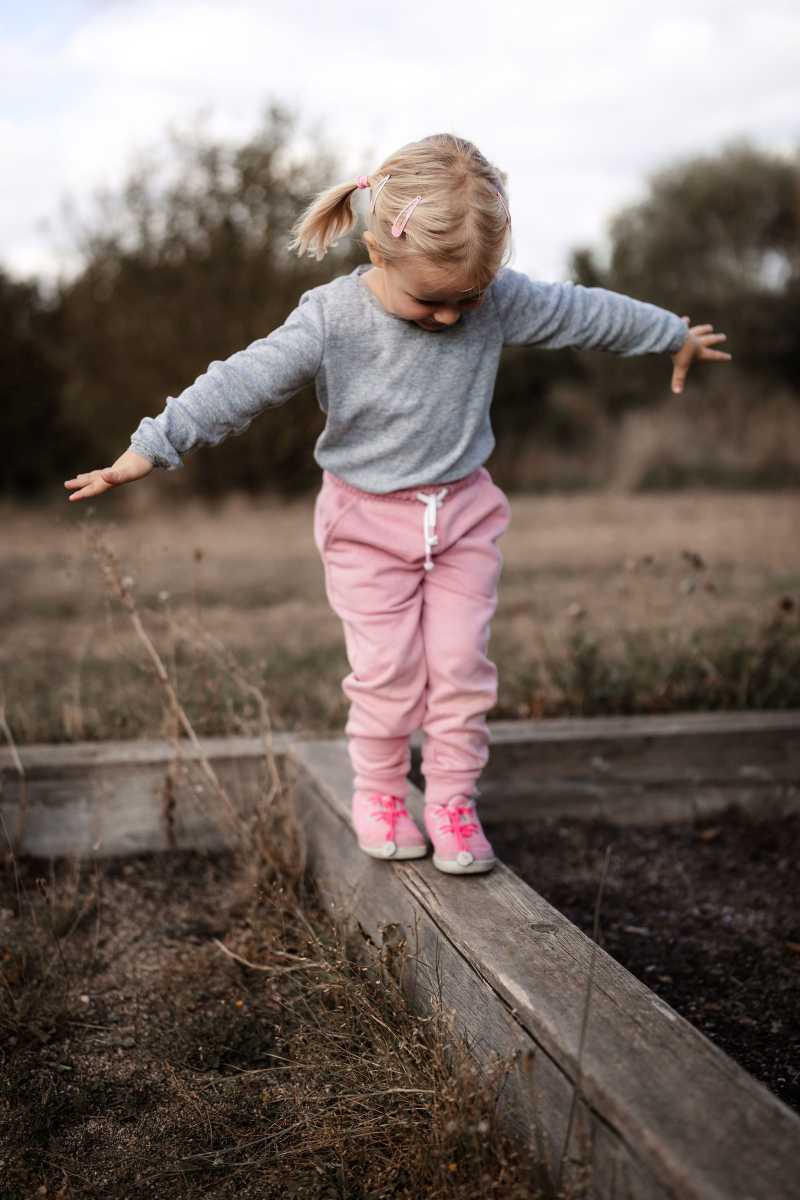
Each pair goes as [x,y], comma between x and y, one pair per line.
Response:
[461,224]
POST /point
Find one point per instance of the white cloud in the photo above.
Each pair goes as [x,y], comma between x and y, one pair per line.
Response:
[575,101]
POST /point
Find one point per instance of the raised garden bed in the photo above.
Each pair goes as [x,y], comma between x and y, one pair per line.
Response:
[705,912]
[607,1074]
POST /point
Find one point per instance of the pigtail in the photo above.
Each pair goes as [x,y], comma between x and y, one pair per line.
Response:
[325,220]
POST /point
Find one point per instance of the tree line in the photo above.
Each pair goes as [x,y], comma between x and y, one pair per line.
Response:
[186,262]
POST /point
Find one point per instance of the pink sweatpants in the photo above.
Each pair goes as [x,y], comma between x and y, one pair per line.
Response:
[416,637]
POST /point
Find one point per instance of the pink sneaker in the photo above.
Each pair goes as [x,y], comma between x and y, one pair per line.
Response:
[384,828]
[460,846]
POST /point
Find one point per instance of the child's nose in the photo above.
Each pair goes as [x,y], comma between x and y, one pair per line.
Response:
[446,316]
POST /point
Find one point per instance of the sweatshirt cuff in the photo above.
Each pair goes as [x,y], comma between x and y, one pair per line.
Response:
[678,340]
[164,455]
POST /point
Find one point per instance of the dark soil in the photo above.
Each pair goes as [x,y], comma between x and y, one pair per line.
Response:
[706,913]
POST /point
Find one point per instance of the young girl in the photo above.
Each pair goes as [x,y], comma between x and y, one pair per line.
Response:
[404,354]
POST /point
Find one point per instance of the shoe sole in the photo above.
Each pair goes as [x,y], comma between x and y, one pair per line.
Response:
[450,867]
[400,852]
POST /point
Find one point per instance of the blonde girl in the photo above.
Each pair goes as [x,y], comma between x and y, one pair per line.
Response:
[404,351]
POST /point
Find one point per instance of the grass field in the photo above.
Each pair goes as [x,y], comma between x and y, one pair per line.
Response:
[608,603]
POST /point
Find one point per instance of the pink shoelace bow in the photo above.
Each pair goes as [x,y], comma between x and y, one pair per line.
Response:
[453,824]
[391,808]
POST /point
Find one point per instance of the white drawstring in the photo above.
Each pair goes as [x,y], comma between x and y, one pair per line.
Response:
[432,502]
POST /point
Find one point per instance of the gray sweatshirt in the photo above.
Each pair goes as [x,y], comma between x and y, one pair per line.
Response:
[404,406]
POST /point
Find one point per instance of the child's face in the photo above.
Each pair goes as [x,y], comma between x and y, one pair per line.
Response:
[432,299]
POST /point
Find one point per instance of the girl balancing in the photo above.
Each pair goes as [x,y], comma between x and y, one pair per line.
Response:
[404,352]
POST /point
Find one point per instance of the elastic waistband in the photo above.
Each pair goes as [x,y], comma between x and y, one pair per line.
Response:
[407,493]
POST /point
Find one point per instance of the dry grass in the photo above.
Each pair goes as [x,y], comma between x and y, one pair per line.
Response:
[196,1024]
[726,439]
[608,603]
[141,1060]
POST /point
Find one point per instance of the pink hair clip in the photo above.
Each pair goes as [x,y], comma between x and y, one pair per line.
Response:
[505,206]
[401,220]
[362,181]
[377,191]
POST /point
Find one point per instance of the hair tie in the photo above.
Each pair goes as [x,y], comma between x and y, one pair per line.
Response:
[362,181]
[376,192]
[401,220]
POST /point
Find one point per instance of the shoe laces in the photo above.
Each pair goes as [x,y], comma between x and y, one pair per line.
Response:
[388,808]
[449,816]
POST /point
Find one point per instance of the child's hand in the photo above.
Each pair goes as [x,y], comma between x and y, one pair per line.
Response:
[129,466]
[697,345]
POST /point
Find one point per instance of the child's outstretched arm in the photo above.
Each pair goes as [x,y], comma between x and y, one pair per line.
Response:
[224,400]
[555,315]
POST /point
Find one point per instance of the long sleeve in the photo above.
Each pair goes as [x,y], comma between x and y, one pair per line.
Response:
[555,315]
[231,393]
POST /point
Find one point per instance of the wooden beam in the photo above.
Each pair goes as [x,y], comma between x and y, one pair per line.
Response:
[662,1111]
[122,796]
[644,769]
[100,799]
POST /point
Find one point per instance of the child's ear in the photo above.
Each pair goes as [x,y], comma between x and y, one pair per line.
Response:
[375,256]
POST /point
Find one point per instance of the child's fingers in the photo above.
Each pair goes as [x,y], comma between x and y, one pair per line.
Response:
[81,495]
[707,338]
[706,351]
[88,483]
[679,373]
[82,477]
[88,476]
[114,476]
[94,483]
[91,489]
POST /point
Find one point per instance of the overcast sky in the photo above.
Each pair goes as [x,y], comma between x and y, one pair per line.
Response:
[577,101]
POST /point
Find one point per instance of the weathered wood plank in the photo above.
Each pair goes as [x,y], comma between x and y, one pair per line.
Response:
[360,889]
[104,799]
[640,769]
[77,755]
[112,797]
[661,1105]
[629,804]
[575,728]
